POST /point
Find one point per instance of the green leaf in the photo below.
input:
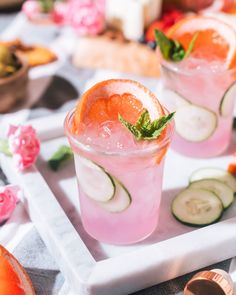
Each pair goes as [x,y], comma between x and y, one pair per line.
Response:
[166,45]
[144,129]
[130,127]
[64,153]
[171,49]
[4,147]
[144,120]
[191,45]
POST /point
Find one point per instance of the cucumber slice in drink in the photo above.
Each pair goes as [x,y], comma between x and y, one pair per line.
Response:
[194,123]
[197,207]
[215,173]
[96,183]
[227,101]
[222,190]
[121,200]
[175,99]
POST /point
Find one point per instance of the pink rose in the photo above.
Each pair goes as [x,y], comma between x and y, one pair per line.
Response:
[31,8]
[60,13]
[87,16]
[9,195]
[24,145]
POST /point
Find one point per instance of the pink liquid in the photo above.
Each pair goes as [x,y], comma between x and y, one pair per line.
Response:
[204,85]
[138,172]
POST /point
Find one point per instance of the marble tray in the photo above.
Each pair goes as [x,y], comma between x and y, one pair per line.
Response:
[94,268]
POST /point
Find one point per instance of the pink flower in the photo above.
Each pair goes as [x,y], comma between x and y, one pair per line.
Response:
[9,195]
[31,8]
[24,145]
[87,16]
[60,13]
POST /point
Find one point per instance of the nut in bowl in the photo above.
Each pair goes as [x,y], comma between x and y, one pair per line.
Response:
[13,78]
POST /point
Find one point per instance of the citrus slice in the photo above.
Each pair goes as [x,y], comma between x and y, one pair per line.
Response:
[105,100]
[13,277]
[216,39]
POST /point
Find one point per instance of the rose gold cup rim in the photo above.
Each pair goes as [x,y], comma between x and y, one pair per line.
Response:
[213,277]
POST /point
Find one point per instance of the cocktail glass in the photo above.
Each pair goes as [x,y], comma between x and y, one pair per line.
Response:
[203,98]
[131,212]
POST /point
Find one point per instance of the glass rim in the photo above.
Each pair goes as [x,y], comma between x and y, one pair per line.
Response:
[126,153]
[170,66]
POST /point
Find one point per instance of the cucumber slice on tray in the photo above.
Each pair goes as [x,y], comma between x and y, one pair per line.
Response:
[227,101]
[197,207]
[104,189]
[223,191]
[195,123]
[215,173]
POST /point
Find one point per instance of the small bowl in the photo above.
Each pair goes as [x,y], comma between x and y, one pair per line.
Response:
[13,89]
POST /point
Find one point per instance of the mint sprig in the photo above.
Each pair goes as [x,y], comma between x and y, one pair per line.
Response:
[4,147]
[171,49]
[234,124]
[144,129]
[63,154]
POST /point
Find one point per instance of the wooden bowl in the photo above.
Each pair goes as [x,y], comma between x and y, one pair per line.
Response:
[13,89]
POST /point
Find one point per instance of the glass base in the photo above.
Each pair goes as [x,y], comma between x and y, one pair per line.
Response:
[114,239]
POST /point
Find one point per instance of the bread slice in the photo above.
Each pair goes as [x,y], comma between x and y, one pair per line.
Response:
[112,51]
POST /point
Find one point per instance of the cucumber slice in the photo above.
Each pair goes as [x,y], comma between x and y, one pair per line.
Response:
[194,123]
[215,173]
[197,207]
[223,191]
[96,183]
[175,99]
[227,101]
[121,200]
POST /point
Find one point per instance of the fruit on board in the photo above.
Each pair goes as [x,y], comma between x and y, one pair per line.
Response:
[168,19]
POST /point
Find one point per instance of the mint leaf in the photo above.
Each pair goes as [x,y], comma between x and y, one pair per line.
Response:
[144,129]
[63,154]
[159,125]
[144,120]
[191,45]
[172,50]
[166,45]
[234,124]
[130,127]
[4,147]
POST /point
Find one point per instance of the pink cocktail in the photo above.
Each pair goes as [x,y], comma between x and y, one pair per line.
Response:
[119,178]
[198,58]
[203,95]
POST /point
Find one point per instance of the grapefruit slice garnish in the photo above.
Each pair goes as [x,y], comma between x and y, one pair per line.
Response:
[105,100]
[13,277]
[216,40]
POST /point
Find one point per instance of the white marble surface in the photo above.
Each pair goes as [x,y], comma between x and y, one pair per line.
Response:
[94,268]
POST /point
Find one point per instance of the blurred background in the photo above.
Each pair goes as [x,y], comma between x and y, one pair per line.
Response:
[51,51]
